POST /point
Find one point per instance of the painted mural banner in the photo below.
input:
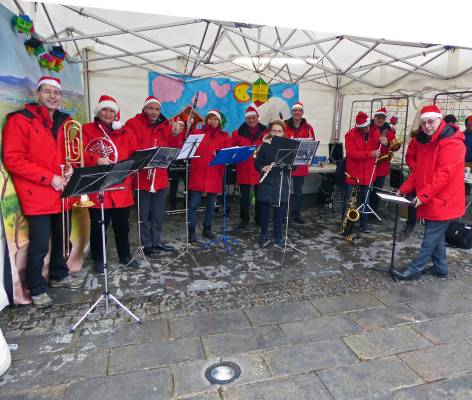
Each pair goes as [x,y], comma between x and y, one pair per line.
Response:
[230,97]
[19,72]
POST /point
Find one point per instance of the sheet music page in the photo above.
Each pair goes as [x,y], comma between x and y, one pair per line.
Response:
[393,198]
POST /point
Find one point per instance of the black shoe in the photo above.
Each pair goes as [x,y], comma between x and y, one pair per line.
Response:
[280,244]
[98,267]
[406,275]
[128,262]
[192,238]
[298,220]
[148,251]
[408,229]
[243,225]
[435,272]
[162,247]
[207,232]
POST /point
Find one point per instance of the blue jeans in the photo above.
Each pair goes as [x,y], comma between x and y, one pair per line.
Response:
[297,196]
[434,246]
[194,202]
[378,183]
[279,213]
[151,208]
[360,200]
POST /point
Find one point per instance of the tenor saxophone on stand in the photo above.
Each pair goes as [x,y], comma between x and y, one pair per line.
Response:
[351,215]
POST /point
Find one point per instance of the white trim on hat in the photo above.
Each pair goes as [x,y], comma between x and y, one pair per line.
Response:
[251,113]
[431,115]
[147,102]
[380,113]
[51,82]
[366,123]
[106,104]
[215,113]
[298,105]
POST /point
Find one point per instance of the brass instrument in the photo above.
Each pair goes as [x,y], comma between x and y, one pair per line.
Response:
[351,215]
[103,147]
[65,222]
[152,174]
[394,145]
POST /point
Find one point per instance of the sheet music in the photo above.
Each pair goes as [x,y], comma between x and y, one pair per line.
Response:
[306,152]
[190,147]
[393,198]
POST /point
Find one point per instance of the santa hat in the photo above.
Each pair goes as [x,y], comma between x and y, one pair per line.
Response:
[393,119]
[216,113]
[49,80]
[151,99]
[381,111]
[431,111]
[251,111]
[298,104]
[362,120]
[109,102]
[468,120]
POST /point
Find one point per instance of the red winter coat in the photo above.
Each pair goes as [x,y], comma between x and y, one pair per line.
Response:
[410,156]
[359,160]
[125,142]
[438,177]
[305,130]
[33,156]
[383,167]
[204,178]
[150,135]
[246,173]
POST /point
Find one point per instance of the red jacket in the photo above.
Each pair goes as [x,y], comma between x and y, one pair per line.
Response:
[150,135]
[204,178]
[305,130]
[359,160]
[125,142]
[33,156]
[438,177]
[246,173]
[383,167]
[410,156]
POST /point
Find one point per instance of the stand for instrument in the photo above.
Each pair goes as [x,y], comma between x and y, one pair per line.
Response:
[101,177]
[188,151]
[366,204]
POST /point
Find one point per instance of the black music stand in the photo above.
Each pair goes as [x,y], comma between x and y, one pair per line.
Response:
[225,157]
[186,154]
[99,179]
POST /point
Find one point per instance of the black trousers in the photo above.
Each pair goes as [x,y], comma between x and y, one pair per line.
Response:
[119,218]
[41,227]
[244,193]
[175,176]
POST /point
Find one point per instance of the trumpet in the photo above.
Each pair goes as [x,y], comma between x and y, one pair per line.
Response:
[152,174]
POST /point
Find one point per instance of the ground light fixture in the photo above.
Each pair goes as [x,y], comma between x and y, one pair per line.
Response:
[222,373]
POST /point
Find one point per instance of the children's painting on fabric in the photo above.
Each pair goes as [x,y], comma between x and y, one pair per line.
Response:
[231,98]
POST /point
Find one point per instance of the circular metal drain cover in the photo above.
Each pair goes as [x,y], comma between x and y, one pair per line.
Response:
[222,372]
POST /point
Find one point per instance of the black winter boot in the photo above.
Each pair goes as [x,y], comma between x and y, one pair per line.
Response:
[191,234]
[207,232]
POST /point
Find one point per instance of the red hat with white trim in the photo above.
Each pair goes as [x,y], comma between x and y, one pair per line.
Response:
[298,104]
[468,120]
[49,80]
[216,113]
[109,102]
[251,111]
[362,120]
[381,111]
[151,99]
[431,111]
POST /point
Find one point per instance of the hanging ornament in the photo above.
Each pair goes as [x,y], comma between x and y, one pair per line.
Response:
[260,92]
[34,46]
[58,51]
[22,23]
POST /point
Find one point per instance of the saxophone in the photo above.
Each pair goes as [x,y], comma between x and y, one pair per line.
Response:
[351,216]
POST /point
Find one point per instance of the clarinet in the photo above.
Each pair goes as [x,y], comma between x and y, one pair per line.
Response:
[190,116]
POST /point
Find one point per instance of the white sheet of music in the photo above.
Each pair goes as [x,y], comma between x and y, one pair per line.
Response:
[190,147]
[393,198]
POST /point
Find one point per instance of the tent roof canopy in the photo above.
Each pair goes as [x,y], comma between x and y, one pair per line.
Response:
[202,48]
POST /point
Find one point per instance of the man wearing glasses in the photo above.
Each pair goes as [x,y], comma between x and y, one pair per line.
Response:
[438,180]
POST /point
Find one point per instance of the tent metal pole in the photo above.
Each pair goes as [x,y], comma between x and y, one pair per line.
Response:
[359,59]
[18,5]
[200,47]
[325,54]
[86,86]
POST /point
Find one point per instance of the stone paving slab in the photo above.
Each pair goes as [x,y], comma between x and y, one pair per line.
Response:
[309,357]
[189,378]
[385,342]
[55,370]
[406,294]
[143,385]
[377,318]
[148,331]
[312,330]
[154,355]
[298,387]
[459,388]
[342,304]
[442,307]
[244,340]
[38,345]
[446,330]
[274,313]
[441,361]
[43,393]
[368,380]
[207,324]
[206,396]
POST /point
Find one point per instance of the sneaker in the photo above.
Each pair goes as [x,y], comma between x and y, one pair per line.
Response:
[67,282]
[128,262]
[42,300]
[298,220]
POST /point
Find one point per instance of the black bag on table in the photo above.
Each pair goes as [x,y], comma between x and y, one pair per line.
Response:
[459,234]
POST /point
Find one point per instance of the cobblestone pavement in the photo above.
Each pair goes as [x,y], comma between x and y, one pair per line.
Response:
[322,327]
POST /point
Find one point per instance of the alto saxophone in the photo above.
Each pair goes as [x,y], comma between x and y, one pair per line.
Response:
[352,215]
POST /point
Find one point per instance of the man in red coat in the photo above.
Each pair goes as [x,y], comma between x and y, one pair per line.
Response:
[362,148]
[298,128]
[106,141]
[152,129]
[250,133]
[387,134]
[438,180]
[33,152]
[205,178]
